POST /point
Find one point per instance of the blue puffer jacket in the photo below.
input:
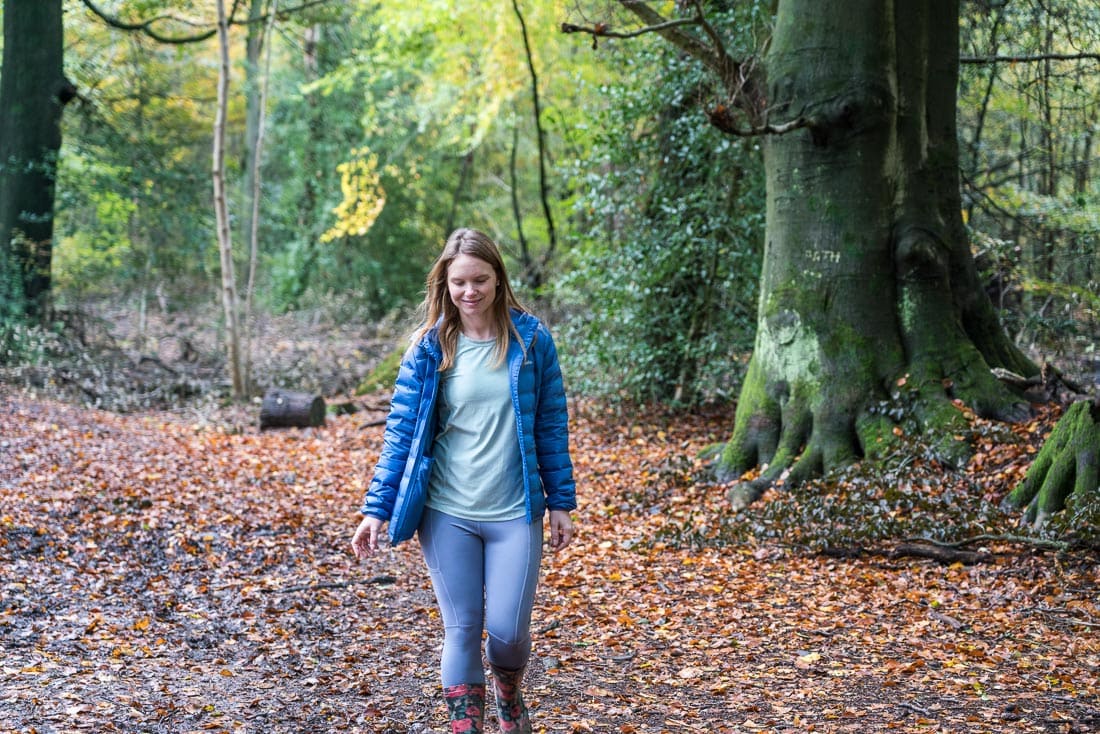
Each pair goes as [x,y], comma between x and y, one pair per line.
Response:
[400,479]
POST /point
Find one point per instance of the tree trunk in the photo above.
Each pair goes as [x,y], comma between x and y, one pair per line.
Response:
[221,213]
[307,207]
[255,191]
[253,86]
[1067,466]
[33,93]
[870,301]
[534,277]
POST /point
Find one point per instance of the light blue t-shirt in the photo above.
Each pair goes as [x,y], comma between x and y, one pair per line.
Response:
[478,472]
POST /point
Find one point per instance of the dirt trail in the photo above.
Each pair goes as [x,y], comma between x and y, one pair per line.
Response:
[158,575]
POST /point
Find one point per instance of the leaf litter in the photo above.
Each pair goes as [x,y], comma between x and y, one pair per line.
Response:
[163,575]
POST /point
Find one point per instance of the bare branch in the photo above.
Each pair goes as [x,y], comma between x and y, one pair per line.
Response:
[737,77]
[721,118]
[713,56]
[602,31]
[282,12]
[1027,59]
[719,47]
[686,42]
[148,27]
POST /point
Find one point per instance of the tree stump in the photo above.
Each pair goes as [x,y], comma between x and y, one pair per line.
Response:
[286,409]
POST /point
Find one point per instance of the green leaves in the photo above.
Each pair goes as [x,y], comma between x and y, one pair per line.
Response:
[671,228]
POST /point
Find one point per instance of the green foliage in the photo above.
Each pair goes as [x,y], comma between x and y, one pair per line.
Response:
[20,342]
[89,260]
[385,133]
[663,216]
[1028,142]
[670,220]
[1080,520]
[421,110]
[134,192]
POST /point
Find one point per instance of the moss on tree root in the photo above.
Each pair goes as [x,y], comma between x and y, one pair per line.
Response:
[795,433]
[1068,464]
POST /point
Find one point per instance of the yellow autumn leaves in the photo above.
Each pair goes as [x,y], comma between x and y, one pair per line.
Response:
[364,196]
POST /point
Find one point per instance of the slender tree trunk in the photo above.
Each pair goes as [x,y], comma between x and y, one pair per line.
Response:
[531,274]
[975,145]
[869,293]
[464,174]
[1083,168]
[221,213]
[307,207]
[33,93]
[254,198]
[1049,187]
[254,48]
[540,140]
[134,226]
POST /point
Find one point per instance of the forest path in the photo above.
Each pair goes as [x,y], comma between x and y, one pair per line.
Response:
[158,575]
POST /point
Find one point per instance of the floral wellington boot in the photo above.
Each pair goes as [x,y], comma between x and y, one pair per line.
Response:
[466,706]
[511,710]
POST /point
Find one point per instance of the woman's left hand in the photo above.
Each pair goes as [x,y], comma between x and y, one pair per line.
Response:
[561,529]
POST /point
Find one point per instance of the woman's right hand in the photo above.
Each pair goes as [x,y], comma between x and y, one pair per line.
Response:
[365,540]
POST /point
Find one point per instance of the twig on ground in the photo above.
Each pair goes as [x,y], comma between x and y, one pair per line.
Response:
[382,579]
[913,708]
[1004,538]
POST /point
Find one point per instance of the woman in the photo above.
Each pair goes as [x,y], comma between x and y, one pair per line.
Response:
[476,450]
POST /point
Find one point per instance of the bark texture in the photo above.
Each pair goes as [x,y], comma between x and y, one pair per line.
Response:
[286,409]
[1068,466]
[33,94]
[871,311]
[230,301]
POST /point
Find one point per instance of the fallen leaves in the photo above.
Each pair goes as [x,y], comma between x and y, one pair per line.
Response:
[163,576]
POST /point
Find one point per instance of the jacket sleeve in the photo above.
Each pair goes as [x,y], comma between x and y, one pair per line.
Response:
[397,440]
[552,428]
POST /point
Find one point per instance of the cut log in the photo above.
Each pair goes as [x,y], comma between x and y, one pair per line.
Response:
[286,409]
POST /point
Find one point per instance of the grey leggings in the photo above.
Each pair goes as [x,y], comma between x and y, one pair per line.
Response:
[484,575]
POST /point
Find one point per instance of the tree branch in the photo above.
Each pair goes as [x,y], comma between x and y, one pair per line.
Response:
[147,26]
[655,23]
[722,118]
[939,553]
[737,77]
[1027,59]
[380,579]
[1003,538]
[282,12]
[719,47]
[602,31]
[689,44]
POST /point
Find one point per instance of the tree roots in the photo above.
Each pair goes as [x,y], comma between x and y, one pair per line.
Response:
[1067,466]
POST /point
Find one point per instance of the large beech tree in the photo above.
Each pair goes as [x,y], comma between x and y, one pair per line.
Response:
[33,93]
[871,314]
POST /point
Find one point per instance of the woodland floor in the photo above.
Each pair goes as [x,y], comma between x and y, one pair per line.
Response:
[162,575]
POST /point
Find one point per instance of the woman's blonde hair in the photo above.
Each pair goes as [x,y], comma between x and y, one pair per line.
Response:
[437,306]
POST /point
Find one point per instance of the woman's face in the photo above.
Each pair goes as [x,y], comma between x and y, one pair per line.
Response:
[472,285]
